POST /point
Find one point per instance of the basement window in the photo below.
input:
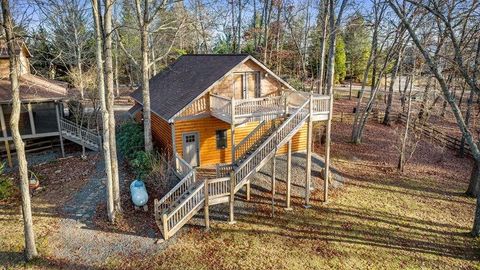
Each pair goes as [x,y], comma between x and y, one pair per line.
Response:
[221,136]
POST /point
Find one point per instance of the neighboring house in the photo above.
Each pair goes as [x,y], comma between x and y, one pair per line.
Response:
[42,108]
[227,111]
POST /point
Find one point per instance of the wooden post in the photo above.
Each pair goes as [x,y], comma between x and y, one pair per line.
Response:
[327,151]
[274,163]
[30,117]
[165,226]
[57,111]
[206,195]
[286,105]
[289,174]
[174,145]
[232,129]
[232,197]
[5,135]
[248,190]
[308,168]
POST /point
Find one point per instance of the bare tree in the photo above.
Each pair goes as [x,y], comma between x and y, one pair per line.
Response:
[148,13]
[30,248]
[437,11]
[108,70]
[105,114]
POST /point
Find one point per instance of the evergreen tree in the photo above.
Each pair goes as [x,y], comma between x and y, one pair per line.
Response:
[357,45]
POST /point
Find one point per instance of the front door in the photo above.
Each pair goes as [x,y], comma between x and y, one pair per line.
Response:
[190,148]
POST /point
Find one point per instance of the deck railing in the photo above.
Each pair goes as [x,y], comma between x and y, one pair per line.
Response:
[259,106]
[218,187]
[221,107]
[265,108]
[321,104]
[223,169]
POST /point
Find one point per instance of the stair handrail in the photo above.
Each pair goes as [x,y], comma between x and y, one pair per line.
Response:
[244,145]
[174,218]
[267,141]
[176,192]
[85,133]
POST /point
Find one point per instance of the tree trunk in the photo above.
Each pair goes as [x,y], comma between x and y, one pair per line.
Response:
[323,36]
[110,104]
[239,27]
[401,159]
[388,109]
[147,120]
[468,115]
[476,223]
[30,248]
[117,89]
[474,184]
[105,116]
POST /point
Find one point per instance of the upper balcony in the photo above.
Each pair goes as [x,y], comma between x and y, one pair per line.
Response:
[239,111]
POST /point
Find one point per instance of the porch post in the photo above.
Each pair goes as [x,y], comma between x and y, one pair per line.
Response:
[308,168]
[327,149]
[5,135]
[289,174]
[30,117]
[232,197]
[207,218]
[57,112]
[274,163]
[232,129]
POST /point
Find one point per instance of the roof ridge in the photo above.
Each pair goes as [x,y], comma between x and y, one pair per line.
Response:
[216,54]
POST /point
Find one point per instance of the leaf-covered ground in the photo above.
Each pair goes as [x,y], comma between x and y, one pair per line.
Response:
[379,220]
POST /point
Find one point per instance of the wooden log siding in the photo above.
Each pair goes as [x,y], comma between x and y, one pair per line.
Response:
[207,127]
[269,86]
[161,132]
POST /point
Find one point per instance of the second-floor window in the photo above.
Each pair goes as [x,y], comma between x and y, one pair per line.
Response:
[246,85]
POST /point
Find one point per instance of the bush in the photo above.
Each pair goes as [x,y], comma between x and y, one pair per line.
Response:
[142,163]
[6,186]
[130,140]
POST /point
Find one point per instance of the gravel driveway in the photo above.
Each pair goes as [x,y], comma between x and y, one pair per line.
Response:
[80,243]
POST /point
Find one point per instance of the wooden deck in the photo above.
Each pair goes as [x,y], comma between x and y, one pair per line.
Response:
[242,111]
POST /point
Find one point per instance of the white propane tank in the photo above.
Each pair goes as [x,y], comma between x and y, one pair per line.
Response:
[139,193]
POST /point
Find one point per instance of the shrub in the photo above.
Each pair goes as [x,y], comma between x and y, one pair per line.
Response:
[6,186]
[130,139]
[142,163]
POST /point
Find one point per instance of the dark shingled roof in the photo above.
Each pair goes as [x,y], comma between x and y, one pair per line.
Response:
[184,80]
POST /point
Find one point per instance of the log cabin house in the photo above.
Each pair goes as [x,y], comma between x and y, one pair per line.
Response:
[229,112]
[42,111]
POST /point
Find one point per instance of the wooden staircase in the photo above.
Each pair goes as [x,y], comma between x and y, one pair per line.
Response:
[80,135]
[181,203]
